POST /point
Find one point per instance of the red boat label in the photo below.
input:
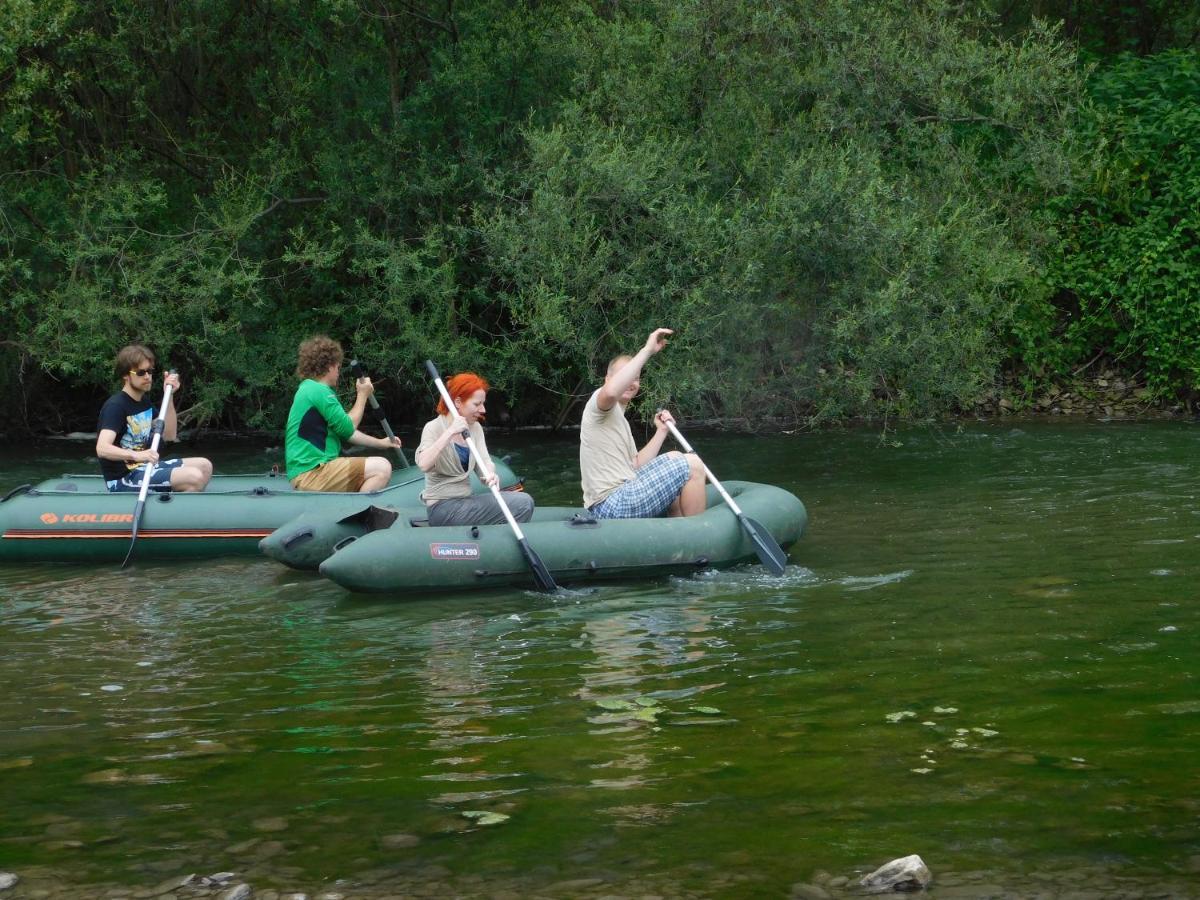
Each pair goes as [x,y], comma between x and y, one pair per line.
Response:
[454,551]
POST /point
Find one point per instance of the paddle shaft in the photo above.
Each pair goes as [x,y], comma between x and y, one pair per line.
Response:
[769,552]
[712,479]
[156,430]
[360,372]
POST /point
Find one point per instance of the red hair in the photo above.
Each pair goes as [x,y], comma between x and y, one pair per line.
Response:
[460,387]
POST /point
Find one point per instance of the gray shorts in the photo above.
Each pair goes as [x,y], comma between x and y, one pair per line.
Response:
[481,509]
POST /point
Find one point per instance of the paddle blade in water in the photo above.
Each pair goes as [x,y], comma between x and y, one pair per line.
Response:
[541,575]
[137,517]
[767,548]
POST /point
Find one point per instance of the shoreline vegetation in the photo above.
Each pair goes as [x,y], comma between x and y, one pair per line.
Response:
[848,212]
[1104,394]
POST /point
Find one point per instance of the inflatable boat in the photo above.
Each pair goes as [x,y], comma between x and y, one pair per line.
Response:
[74,518]
[397,551]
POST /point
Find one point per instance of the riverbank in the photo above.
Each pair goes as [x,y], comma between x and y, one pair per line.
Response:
[1083,882]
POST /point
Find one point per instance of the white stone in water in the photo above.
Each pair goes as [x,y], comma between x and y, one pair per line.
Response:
[908,873]
[112,688]
[898,716]
[1168,628]
[945,710]
[237,892]
[7,880]
[959,745]
[985,732]
[218,878]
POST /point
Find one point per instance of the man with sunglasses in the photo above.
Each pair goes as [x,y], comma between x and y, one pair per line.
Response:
[123,444]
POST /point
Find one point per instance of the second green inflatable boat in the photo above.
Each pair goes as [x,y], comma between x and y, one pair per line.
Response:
[399,553]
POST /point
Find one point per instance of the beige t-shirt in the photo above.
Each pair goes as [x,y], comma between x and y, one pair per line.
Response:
[606,450]
[448,480]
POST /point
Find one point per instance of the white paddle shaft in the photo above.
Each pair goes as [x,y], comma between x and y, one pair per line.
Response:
[154,440]
[712,479]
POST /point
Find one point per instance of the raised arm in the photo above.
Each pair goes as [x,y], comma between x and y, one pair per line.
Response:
[619,381]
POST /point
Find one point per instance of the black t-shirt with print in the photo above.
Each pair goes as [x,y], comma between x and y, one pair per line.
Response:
[131,420]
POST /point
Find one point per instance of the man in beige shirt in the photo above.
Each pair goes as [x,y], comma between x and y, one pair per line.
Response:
[620,481]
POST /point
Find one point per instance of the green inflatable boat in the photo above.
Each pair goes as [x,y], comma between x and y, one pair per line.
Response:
[398,553]
[74,518]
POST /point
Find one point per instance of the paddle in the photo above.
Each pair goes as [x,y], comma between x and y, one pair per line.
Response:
[541,575]
[360,372]
[765,546]
[156,430]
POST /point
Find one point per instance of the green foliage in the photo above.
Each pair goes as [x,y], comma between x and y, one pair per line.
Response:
[834,203]
[830,203]
[1124,276]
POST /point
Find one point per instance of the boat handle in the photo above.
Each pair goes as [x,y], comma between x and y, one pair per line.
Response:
[297,538]
[22,489]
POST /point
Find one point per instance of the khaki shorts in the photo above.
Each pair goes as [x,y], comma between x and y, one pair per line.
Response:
[346,473]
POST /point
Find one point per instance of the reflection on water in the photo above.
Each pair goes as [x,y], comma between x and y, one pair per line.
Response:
[983,652]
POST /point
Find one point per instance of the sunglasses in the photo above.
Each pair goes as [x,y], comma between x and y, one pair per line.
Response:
[141,373]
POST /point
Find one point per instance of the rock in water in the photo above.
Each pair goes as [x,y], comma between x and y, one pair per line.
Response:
[909,873]
[7,880]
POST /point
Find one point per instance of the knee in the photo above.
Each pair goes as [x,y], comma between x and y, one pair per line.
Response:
[695,467]
[378,465]
[188,478]
[521,505]
[205,466]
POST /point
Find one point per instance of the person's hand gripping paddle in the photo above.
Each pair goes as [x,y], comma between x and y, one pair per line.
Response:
[541,575]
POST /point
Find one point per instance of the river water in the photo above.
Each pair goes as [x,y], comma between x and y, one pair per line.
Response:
[984,652]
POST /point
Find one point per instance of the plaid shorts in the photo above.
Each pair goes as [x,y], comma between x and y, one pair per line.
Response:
[654,488]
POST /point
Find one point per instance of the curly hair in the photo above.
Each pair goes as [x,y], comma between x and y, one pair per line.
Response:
[129,357]
[317,354]
[460,387]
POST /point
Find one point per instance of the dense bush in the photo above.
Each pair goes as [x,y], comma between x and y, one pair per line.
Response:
[833,202]
[1124,276]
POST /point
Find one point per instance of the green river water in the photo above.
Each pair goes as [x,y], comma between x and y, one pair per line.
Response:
[984,652]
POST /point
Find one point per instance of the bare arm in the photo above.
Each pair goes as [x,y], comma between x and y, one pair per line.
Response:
[654,446]
[365,440]
[170,424]
[619,382]
[427,457]
[106,448]
[365,389]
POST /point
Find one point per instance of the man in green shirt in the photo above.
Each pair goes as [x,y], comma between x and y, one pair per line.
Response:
[317,427]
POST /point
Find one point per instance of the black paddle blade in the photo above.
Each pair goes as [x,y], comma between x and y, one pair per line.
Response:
[137,517]
[541,575]
[767,548]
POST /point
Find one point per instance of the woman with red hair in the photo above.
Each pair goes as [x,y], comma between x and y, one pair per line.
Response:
[446,461]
